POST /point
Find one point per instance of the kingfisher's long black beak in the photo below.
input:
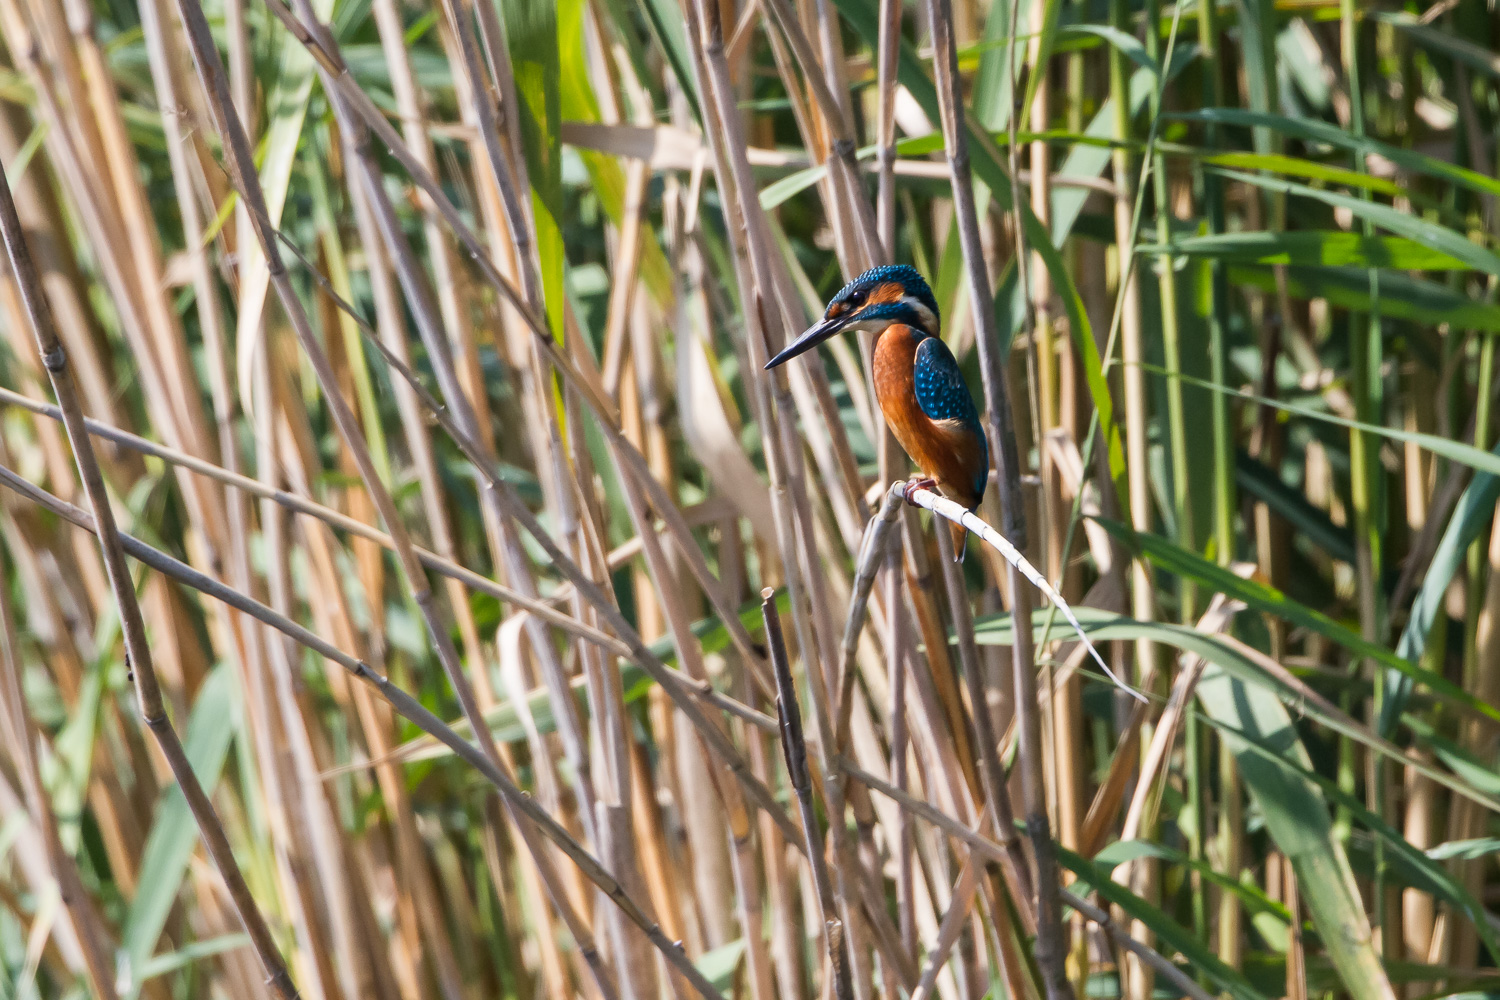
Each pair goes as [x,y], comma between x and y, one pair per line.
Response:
[812,338]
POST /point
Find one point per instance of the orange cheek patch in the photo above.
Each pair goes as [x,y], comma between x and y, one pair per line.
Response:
[887,293]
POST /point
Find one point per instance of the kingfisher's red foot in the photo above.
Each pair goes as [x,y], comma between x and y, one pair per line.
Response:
[918,483]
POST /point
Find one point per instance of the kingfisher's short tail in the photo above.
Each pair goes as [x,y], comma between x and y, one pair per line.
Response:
[960,540]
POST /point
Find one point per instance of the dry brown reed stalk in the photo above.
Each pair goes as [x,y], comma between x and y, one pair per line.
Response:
[875,550]
[237,150]
[1050,949]
[360,105]
[1015,863]
[960,902]
[402,702]
[873,556]
[791,509]
[991,770]
[794,747]
[503,168]
[301,505]
[890,51]
[986,847]
[1145,801]
[899,758]
[424,896]
[1104,810]
[515,510]
[133,628]
[831,99]
[664,679]
[23,736]
[1126,323]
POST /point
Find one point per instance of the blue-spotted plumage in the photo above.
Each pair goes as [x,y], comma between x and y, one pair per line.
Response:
[944,396]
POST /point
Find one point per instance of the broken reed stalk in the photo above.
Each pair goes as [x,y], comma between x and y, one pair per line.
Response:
[404,704]
[1051,945]
[132,625]
[794,747]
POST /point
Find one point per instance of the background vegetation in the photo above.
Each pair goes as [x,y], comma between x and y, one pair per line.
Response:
[423,345]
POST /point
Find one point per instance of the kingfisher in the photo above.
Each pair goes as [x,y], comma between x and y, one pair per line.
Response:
[917,382]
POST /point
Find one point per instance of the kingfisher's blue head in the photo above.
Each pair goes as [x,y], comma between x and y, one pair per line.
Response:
[879,298]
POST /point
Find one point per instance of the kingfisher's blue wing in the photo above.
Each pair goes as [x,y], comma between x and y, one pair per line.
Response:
[944,396]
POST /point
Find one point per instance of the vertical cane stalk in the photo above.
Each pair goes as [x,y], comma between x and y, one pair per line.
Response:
[1051,950]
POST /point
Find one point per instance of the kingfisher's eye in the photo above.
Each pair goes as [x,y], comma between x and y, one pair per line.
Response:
[857,298]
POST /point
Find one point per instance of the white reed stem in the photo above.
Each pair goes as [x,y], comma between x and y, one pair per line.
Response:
[952,511]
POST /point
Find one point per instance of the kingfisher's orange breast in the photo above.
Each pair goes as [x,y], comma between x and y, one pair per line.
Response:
[943,450]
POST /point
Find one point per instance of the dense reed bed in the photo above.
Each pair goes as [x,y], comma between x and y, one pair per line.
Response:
[413,586]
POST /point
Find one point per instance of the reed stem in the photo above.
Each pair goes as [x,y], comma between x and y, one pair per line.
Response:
[138,656]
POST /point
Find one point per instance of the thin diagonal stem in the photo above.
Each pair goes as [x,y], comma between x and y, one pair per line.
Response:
[241,169]
[403,703]
[511,504]
[636,465]
[132,625]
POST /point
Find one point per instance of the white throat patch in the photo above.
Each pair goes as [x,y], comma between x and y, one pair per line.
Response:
[929,319]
